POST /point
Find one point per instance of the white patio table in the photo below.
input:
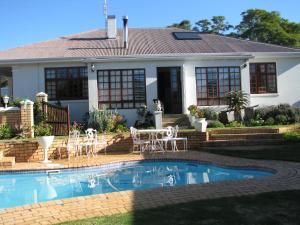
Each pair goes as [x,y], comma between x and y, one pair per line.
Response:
[152,135]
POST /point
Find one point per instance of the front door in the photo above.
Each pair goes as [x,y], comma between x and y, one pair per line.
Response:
[169,89]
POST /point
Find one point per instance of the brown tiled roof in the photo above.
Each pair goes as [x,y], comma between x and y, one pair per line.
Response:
[150,41]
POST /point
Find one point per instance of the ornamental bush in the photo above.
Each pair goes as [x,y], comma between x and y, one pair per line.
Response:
[282,114]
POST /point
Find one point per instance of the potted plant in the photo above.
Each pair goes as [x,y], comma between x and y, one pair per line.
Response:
[43,133]
[192,116]
[200,122]
[237,101]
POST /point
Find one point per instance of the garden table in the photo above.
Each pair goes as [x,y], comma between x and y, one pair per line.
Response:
[152,135]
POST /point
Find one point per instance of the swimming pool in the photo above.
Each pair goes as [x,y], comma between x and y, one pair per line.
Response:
[22,188]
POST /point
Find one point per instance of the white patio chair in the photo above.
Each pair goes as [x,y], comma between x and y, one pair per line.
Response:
[72,145]
[91,142]
[137,142]
[165,138]
[171,136]
[174,140]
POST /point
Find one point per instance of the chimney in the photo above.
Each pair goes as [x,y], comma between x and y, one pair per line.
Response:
[125,32]
[111,31]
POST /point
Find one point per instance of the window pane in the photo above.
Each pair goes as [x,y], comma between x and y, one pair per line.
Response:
[215,82]
[263,78]
[66,83]
[126,88]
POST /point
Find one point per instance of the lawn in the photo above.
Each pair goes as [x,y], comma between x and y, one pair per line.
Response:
[263,209]
[288,152]
[276,208]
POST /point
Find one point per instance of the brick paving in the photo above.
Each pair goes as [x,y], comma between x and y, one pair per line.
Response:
[286,178]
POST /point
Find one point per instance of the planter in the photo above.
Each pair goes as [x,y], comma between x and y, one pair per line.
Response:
[45,142]
[192,120]
[201,124]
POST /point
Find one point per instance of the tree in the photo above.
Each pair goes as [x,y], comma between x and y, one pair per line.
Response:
[184,24]
[219,26]
[270,27]
[216,25]
[203,26]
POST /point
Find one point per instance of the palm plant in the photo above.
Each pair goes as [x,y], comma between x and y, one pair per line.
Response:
[237,100]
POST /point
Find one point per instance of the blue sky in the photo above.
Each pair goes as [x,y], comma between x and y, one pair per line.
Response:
[27,21]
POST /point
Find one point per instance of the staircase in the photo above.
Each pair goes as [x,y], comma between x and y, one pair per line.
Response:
[175,119]
[244,136]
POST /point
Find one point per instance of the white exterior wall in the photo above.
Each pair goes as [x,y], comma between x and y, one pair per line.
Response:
[151,83]
[28,80]
[288,83]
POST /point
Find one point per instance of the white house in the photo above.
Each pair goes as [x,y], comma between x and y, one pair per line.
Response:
[109,67]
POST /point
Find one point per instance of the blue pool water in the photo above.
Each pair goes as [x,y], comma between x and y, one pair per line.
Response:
[18,189]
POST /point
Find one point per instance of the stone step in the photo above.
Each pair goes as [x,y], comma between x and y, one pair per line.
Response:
[256,136]
[175,119]
[223,143]
[7,161]
[245,131]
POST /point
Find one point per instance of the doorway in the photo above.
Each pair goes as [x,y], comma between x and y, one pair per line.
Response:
[169,89]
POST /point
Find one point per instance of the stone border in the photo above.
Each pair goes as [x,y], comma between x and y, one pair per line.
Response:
[286,178]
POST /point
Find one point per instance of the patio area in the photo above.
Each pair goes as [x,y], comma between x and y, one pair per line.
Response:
[286,178]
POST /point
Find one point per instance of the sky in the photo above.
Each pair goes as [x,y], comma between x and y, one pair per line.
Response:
[27,21]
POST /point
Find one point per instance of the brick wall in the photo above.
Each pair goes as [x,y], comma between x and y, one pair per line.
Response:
[19,117]
[25,151]
[10,117]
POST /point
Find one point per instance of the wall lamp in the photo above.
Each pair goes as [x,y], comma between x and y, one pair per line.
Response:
[93,68]
[244,66]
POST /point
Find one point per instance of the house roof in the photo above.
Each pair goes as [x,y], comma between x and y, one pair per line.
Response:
[142,42]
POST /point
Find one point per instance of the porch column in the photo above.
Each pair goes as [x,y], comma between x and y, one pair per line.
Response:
[92,87]
[183,84]
[245,79]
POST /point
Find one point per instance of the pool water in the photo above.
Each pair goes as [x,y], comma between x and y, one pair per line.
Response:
[17,189]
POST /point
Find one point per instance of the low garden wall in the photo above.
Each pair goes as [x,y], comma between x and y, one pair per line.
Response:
[30,151]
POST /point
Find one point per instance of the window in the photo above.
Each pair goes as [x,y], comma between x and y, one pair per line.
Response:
[69,83]
[125,89]
[213,83]
[263,78]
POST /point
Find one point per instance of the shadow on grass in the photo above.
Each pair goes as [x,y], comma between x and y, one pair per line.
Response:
[264,209]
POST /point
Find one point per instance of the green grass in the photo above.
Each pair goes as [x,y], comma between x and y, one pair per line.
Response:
[288,152]
[292,136]
[264,209]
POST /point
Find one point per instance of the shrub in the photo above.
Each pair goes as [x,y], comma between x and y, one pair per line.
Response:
[42,129]
[199,113]
[270,121]
[284,113]
[39,116]
[256,122]
[15,102]
[210,114]
[281,119]
[121,128]
[216,124]
[235,124]
[193,109]
[237,100]
[105,120]
[5,132]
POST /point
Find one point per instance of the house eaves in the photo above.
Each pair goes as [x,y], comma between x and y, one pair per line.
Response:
[165,57]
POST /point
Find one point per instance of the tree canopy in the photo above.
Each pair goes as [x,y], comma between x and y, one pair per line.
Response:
[256,24]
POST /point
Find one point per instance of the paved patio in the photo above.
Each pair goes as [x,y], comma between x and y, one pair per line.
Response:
[286,178]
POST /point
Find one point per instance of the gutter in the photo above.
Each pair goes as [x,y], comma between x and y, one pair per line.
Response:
[207,56]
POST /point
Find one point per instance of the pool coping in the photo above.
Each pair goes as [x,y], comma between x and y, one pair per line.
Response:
[286,178]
